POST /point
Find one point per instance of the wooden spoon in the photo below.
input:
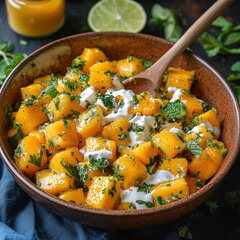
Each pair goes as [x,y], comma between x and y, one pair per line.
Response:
[150,80]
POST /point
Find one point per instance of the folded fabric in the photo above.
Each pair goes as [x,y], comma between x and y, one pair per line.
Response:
[21,218]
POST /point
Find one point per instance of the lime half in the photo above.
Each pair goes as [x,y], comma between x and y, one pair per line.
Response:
[117,15]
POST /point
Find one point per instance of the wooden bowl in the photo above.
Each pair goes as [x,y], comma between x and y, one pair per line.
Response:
[210,86]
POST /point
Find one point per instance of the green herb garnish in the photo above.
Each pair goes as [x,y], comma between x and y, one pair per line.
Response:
[36,161]
[194,148]
[174,109]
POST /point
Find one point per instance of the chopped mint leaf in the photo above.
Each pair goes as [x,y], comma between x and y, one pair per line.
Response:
[51,91]
[184,232]
[165,20]
[148,204]
[194,148]
[174,110]
[36,161]
[145,188]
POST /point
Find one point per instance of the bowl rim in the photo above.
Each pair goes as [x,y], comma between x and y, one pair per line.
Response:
[217,178]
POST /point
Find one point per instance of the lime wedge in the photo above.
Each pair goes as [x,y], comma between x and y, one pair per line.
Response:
[117,15]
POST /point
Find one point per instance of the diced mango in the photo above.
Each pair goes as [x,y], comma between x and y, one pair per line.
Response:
[168,192]
[30,156]
[32,89]
[177,166]
[118,132]
[40,135]
[104,193]
[62,134]
[73,74]
[130,66]
[30,117]
[211,117]
[89,57]
[147,105]
[43,100]
[95,144]
[179,78]
[44,81]
[207,164]
[53,183]
[90,122]
[60,162]
[100,81]
[179,126]
[192,104]
[194,183]
[62,106]
[202,135]
[132,171]
[74,196]
[145,152]
[168,144]
[87,173]
[126,206]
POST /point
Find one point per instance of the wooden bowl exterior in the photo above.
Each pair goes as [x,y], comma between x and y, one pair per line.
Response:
[210,86]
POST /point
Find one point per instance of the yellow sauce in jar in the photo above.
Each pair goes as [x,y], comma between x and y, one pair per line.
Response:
[35,18]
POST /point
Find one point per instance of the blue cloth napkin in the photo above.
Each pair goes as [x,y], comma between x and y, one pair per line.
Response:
[21,218]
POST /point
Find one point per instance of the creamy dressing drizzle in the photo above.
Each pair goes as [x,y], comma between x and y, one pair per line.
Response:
[168,125]
[158,177]
[88,96]
[119,112]
[103,153]
[177,93]
[132,195]
[176,130]
[116,83]
[208,126]
[145,122]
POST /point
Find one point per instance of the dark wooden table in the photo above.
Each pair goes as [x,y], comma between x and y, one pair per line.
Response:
[223,223]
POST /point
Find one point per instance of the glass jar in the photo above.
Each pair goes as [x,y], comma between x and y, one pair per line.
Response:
[35,18]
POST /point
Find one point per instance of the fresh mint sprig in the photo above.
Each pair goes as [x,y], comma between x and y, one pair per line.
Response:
[165,20]
[8,61]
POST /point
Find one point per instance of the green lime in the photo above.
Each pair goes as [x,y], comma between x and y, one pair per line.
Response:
[117,15]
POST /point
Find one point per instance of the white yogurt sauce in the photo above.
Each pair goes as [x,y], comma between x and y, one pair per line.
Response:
[88,96]
[176,130]
[119,112]
[116,83]
[142,121]
[168,125]
[212,129]
[103,153]
[177,93]
[208,126]
[196,129]
[132,195]
[158,177]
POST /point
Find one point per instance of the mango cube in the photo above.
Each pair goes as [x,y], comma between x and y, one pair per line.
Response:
[145,152]
[176,166]
[60,162]
[104,193]
[61,134]
[168,144]
[90,122]
[118,131]
[74,196]
[30,156]
[53,183]
[168,192]
[131,170]
[95,144]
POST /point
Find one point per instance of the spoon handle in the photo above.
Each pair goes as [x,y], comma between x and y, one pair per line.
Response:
[156,72]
